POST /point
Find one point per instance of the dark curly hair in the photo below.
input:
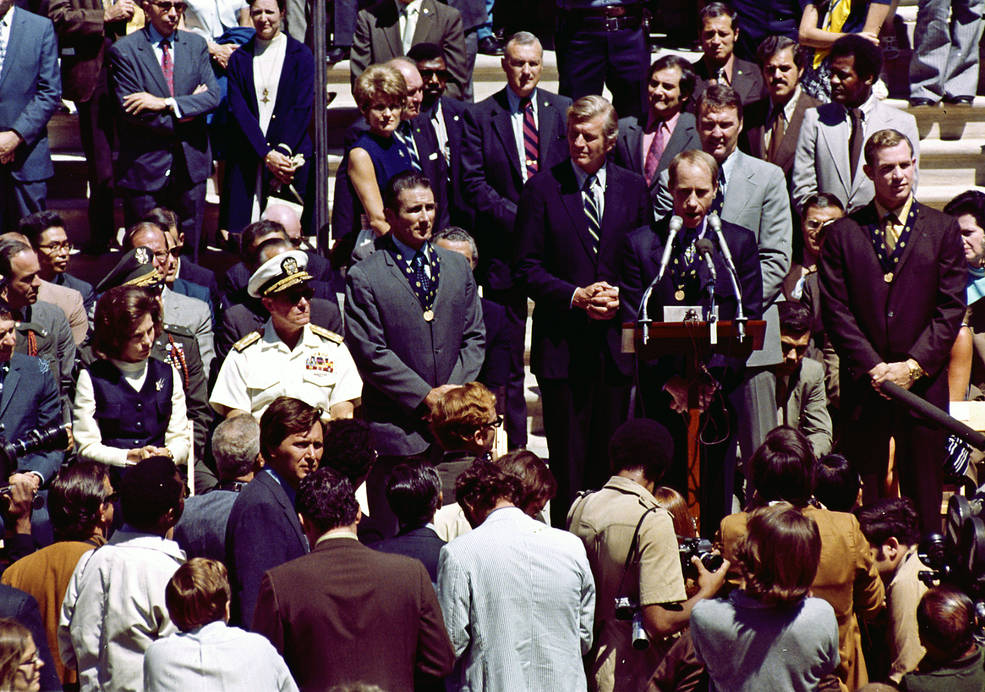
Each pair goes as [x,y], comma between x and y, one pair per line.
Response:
[76,500]
[327,500]
[483,484]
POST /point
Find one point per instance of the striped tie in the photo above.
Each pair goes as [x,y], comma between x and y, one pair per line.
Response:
[592,212]
[407,139]
[530,142]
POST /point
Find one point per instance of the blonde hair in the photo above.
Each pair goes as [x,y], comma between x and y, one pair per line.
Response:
[588,107]
[379,83]
[460,412]
[198,593]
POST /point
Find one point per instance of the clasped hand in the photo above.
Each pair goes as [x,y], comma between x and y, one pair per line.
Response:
[599,300]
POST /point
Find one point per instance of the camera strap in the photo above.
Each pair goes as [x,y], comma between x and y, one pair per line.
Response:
[632,551]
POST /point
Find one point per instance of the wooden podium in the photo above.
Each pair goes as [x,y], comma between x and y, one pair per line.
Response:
[694,341]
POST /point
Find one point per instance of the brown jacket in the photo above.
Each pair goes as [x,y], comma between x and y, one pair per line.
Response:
[846,578]
[83,39]
[345,612]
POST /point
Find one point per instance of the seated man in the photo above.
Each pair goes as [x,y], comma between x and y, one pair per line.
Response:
[893,530]
[289,356]
[518,597]
[946,620]
[46,232]
[800,393]
[114,606]
[201,531]
[372,617]
[623,519]
[414,494]
[263,529]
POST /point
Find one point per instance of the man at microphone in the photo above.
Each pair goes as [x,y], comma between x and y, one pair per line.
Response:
[695,272]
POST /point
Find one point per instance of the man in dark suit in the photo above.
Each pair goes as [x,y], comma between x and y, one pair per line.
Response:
[30,90]
[414,328]
[773,123]
[647,145]
[378,613]
[571,224]
[893,279]
[447,118]
[719,65]
[663,389]
[508,138]
[414,494]
[383,32]
[164,83]
[263,529]
[86,29]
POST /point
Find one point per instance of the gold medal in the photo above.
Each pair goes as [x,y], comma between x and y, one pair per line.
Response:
[888,277]
[679,294]
[428,315]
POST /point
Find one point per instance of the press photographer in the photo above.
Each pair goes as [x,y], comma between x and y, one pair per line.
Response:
[633,550]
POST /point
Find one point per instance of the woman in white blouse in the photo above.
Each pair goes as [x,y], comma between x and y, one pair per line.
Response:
[129,406]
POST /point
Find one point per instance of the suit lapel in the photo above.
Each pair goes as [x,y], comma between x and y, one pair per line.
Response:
[746,178]
[915,236]
[145,52]
[425,19]
[545,129]
[674,146]
[397,271]
[503,126]
[571,198]
[836,140]
[788,145]
[389,21]
[14,38]
[634,146]
[9,385]
[285,503]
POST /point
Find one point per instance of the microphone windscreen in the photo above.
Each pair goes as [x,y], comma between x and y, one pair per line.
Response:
[704,245]
[715,221]
[676,223]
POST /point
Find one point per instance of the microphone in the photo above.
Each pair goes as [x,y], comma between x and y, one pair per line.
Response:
[706,250]
[642,311]
[715,223]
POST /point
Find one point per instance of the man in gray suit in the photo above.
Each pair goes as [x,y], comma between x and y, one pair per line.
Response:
[751,194]
[414,328]
[648,145]
[383,32]
[829,148]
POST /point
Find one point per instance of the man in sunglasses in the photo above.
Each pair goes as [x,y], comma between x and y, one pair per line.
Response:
[164,82]
[289,355]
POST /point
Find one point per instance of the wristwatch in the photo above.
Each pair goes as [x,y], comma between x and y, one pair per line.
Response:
[916,372]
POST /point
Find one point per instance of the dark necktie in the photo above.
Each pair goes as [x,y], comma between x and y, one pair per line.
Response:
[655,152]
[407,139]
[716,205]
[777,131]
[855,141]
[167,65]
[592,212]
[422,283]
[531,146]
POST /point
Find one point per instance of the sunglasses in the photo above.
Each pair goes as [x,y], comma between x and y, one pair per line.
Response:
[168,6]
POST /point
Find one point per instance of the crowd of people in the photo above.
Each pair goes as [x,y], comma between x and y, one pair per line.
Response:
[308,471]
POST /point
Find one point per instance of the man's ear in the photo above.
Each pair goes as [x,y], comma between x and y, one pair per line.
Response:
[867,169]
[891,548]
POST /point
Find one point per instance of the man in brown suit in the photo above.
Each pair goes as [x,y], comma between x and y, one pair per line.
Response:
[85,30]
[774,121]
[373,618]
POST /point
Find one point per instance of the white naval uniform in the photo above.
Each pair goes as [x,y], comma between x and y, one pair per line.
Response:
[260,368]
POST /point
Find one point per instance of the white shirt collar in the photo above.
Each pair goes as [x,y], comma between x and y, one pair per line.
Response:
[581,176]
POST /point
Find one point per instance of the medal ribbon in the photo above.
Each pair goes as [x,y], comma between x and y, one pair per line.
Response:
[887,260]
[684,266]
[425,294]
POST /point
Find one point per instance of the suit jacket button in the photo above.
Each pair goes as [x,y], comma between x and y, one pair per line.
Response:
[892,314]
[167,173]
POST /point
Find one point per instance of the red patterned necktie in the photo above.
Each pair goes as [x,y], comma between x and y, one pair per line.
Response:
[654,153]
[167,65]
[531,148]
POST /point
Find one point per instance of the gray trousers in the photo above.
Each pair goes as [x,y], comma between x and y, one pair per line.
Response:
[945,49]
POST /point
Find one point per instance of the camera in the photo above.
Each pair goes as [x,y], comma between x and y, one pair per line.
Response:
[627,610]
[700,548]
[40,439]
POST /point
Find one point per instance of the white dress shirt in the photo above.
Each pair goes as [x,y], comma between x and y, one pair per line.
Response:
[408,14]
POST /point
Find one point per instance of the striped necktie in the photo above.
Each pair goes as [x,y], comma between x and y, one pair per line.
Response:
[590,202]
[531,146]
[407,139]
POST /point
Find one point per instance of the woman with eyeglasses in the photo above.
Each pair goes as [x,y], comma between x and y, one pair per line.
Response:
[20,664]
[271,94]
[377,155]
[128,405]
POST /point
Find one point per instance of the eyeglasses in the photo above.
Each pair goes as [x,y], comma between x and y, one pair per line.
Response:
[294,296]
[173,252]
[179,7]
[494,423]
[32,662]
[426,74]
[53,248]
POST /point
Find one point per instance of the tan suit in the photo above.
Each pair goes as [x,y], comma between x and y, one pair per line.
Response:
[846,578]
[70,302]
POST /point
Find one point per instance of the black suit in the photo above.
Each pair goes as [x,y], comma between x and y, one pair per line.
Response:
[629,146]
[579,364]
[460,211]
[641,263]
[870,321]
[421,543]
[23,608]
[263,532]
[747,80]
[492,180]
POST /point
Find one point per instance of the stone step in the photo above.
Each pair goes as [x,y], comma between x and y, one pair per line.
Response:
[937,195]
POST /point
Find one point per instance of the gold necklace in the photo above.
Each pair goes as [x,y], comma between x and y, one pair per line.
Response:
[265,96]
